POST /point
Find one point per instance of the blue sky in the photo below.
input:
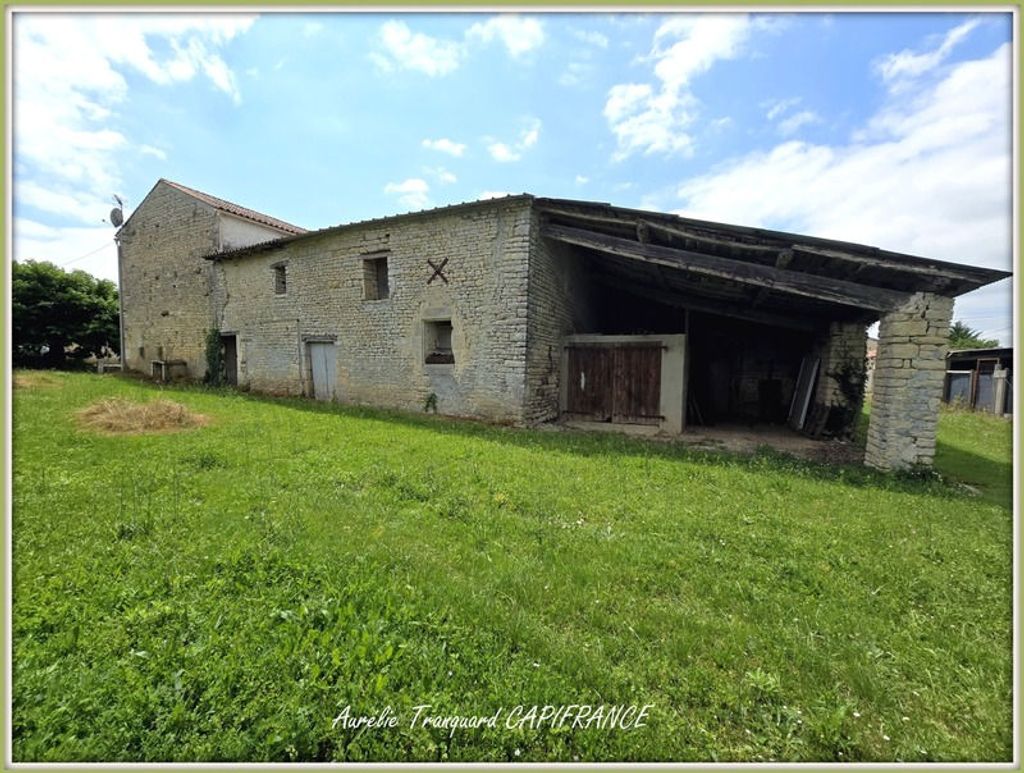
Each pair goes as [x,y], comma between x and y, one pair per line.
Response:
[891,129]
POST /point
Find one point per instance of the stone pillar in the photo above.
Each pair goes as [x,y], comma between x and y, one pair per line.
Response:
[910,369]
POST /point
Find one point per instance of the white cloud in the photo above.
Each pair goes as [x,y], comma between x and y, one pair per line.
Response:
[928,175]
[503,153]
[574,73]
[441,174]
[519,34]
[91,249]
[793,123]
[582,180]
[591,37]
[404,49]
[528,137]
[149,150]
[413,192]
[71,78]
[68,204]
[788,123]
[657,120]
[445,145]
[492,195]
[778,107]
[907,64]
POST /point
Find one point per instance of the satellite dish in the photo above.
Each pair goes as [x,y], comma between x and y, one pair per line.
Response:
[116,217]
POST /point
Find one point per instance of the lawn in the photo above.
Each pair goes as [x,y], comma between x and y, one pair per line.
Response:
[224,592]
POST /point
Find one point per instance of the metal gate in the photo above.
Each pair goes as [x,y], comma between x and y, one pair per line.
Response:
[620,384]
[322,364]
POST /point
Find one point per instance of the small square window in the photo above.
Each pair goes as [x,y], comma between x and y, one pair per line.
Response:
[438,340]
[280,278]
[375,279]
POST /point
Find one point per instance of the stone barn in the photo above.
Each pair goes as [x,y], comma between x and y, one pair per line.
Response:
[526,309]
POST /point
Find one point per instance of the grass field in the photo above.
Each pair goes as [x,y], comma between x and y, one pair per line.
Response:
[223,592]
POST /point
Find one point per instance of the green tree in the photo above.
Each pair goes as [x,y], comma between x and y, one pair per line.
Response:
[59,315]
[963,337]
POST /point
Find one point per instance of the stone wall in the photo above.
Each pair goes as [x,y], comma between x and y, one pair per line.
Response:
[169,293]
[561,303]
[909,374]
[381,344]
[165,283]
[839,394]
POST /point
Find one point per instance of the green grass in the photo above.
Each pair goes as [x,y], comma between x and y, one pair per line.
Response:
[222,593]
[977,449]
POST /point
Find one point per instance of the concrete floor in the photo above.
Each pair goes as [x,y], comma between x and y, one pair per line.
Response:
[741,439]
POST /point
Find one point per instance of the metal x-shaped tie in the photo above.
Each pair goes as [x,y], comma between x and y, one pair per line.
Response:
[437,271]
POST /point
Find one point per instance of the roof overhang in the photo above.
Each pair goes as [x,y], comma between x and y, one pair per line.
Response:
[769,277]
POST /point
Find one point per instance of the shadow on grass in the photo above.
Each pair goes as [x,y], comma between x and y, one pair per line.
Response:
[994,478]
[589,444]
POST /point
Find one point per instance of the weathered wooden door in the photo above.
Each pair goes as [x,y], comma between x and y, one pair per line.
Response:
[636,389]
[590,382]
[322,363]
[615,383]
[230,344]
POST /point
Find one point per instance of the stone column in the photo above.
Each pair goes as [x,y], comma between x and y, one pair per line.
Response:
[909,372]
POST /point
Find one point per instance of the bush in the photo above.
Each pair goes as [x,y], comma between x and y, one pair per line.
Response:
[215,375]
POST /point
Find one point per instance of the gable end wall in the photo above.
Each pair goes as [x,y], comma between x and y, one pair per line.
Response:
[165,283]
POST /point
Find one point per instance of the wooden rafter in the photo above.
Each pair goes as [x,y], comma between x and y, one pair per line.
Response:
[928,274]
[685,301]
[780,280]
[781,261]
[725,244]
[923,269]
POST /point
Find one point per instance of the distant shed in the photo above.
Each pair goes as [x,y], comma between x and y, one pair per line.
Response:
[980,379]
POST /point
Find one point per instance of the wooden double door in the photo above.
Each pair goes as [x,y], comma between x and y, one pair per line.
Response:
[615,383]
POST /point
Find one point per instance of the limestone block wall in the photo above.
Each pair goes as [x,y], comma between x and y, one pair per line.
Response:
[169,293]
[842,372]
[165,283]
[561,303]
[381,345]
[909,373]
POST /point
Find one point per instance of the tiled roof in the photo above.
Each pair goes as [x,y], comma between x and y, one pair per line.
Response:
[235,209]
[269,245]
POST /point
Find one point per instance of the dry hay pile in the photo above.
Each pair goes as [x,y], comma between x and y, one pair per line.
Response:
[117,415]
[29,380]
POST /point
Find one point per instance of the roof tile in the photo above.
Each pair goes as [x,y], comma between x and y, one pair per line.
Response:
[238,211]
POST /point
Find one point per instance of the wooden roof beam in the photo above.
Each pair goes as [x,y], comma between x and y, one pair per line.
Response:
[727,244]
[774,241]
[685,301]
[781,261]
[781,280]
[892,264]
